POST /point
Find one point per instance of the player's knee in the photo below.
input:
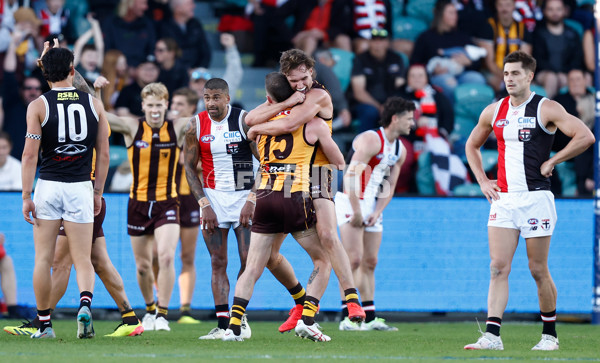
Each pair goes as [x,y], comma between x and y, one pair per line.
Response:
[165,260]
[144,268]
[218,263]
[187,260]
[328,238]
[539,271]
[370,263]
[499,270]
[274,261]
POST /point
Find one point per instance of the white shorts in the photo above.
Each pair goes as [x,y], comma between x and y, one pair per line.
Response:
[73,202]
[227,206]
[532,213]
[343,211]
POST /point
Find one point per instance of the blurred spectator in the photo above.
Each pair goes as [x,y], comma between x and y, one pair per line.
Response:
[271,33]
[350,27]
[114,69]
[130,31]
[10,167]
[189,34]
[16,97]
[509,36]
[88,58]
[172,73]
[233,72]
[102,9]
[55,19]
[579,101]
[443,49]
[528,12]
[7,10]
[472,18]
[324,63]
[315,30]
[27,50]
[122,178]
[159,10]
[183,102]
[556,47]
[376,75]
[589,52]
[129,102]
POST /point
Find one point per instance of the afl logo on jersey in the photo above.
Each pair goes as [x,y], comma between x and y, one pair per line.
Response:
[532,221]
[502,123]
[141,144]
[207,139]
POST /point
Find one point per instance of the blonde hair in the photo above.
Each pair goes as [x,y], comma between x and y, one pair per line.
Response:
[124,5]
[156,89]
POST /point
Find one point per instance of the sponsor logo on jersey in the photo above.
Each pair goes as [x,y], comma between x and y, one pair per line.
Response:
[379,156]
[533,228]
[170,212]
[207,139]
[284,113]
[392,158]
[545,224]
[141,144]
[502,123]
[532,221]
[136,228]
[493,217]
[71,149]
[524,135]
[232,136]
[279,168]
[526,122]
[67,96]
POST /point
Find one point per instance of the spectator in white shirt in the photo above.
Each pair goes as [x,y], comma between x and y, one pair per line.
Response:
[10,167]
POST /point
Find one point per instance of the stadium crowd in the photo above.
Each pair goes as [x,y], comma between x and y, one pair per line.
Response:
[444,55]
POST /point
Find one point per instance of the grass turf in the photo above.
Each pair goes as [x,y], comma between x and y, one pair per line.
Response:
[418,342]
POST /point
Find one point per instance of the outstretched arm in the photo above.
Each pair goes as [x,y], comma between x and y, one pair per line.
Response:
[191,158]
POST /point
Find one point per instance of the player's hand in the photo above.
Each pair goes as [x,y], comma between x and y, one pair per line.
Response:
[490,189]
[252,134]
[246,214]
[101,82]
[209,219]
[97,203]
[547,168]
[371,219]
[296,98]
[357,220]
[29,208]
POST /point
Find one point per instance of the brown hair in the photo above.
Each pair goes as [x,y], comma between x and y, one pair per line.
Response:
[278,87]
[294,58]
[394,106]
[527,61]
[109,70]
[191,97]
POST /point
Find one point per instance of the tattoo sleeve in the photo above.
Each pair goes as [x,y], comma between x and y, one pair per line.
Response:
[81,84]
[191,158]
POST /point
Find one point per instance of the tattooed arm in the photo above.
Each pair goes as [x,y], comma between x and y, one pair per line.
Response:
[191,152]
[81,84]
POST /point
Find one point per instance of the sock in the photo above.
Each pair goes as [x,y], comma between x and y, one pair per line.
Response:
[298,294]
[44,317]
[369,308]
[185,310]
[222,312]
[85,299]
[351,296]
[344,309]
[311,305]
[151,308]
[162,312]
[36,322]
[549,320]
[129,317]
[492,325]
[237,311]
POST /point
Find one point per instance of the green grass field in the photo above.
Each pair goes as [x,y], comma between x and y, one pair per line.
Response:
[414,342]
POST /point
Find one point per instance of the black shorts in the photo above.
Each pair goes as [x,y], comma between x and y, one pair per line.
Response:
[144,217]
[189,211]
[98,220]
[320,183]
[277,212]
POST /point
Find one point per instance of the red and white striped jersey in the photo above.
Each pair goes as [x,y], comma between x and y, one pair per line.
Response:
[369,14]
[225,154]
[523,145]
[379,166]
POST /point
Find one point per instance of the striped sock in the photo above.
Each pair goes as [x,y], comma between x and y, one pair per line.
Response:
[162,312]
[151,308]
[185,310]
[298,294]
[493,325]
[351,296]
[369,308]
[311,305]
[222,312]
[549,320]
[344,309]
[129,317]
[44,318]
[85,299]
[237,311]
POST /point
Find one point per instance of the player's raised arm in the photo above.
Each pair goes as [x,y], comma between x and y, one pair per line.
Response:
[472,148]
[580,134]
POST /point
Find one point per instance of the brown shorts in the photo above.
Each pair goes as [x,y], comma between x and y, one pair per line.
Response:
[98,220]
[144,217]
[320,183]
[277,213]
[189,211]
